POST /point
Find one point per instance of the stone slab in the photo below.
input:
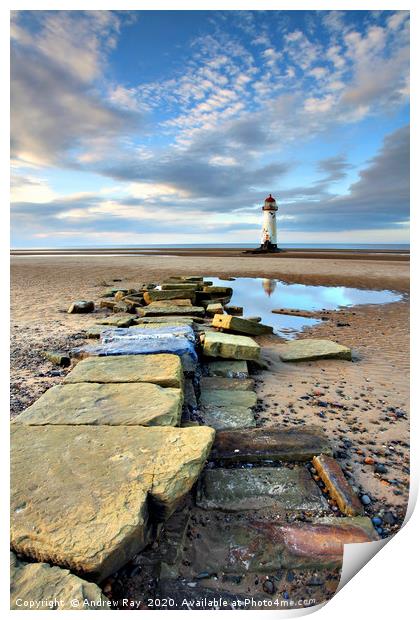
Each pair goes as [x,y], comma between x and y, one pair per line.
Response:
[226,383]
[242,326]
[170,310]
[259,487]
[153,332]
[228,398]
[232,369]
[95,331]
[151,296]
[165,303]
[223,418]
[162,369]
[264,546]
[339,489]
[114,404]
[184,286]
[41,587]
[217,344]
[85,497]
[164,320]
[213,309]
[310,349]
[270,444]
[116,321]
[218,291]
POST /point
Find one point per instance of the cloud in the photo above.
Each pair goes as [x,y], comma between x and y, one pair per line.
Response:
[57,108]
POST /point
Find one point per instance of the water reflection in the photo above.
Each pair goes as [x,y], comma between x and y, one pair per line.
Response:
[259,296]
[269,286]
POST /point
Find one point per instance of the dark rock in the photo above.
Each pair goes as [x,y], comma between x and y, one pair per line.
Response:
[269,587]
[365,499]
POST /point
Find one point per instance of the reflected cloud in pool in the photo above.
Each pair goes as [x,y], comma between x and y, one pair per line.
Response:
[259,296]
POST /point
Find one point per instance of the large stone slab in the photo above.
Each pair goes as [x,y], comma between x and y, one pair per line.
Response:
[270,444]
[165,320]
[168,303]
[339,489]
[164,339]
[228,398]
[313,349]
[182,286]
[117,321]
[218,290]
[228,346]
[259,487]
[264,546]
[160,310]
[212,309]
[232,369]
[225,383]
[40,586]
[151,296]
[242,326]
[114,404]
[162,369]
[84,498]
[224,418]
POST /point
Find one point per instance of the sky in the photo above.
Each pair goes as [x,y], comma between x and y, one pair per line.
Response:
[166,127]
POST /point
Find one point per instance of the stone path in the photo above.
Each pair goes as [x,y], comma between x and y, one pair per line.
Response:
[104,465]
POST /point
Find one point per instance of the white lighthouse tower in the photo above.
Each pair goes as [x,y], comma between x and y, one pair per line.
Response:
[269,229]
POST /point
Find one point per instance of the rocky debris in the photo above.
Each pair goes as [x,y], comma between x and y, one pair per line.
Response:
[151,310]
[312,349]
[224,418]
[261,487]
[228,398]
[232,369]
[115,404]
[217,344]
[270,444]
[212,309]
[225,383]
[58,358]
[85,498]
[44,587]
[234,310]
[339,489]
[162,369]
[123,306]
[264,546]
[242,326]
[81,307]
[156,295]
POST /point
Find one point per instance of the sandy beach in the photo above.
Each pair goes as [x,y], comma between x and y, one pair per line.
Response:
[371,389]
[362,406]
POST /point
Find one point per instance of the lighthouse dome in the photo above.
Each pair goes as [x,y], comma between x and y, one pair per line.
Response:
[270,204]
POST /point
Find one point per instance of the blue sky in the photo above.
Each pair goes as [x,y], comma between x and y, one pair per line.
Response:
[172,126]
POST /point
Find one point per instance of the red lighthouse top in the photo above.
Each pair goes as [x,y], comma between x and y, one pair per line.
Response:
[270,199]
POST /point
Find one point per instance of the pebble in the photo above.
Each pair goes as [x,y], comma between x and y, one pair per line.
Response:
[381,469]
[376,521]
[365,499]
[269,587]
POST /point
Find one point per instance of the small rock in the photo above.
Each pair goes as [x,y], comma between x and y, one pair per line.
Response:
[81,307]
[381,469]
[269,587]
[365,499]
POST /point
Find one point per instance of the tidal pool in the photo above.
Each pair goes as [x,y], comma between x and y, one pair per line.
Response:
[259,296]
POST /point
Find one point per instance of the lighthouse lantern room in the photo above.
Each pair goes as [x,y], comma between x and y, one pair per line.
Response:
[269,229]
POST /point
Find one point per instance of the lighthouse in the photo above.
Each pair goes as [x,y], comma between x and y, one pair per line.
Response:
[269,229]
